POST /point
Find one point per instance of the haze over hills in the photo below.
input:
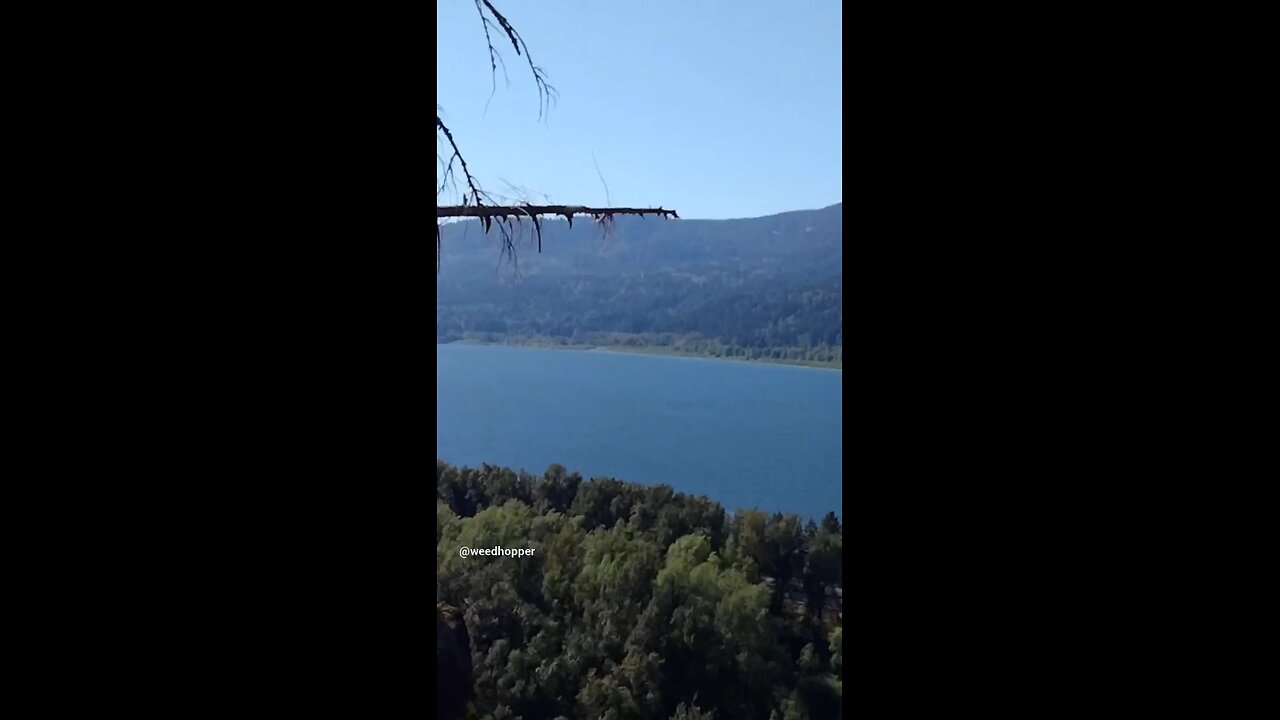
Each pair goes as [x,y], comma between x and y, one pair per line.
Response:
[801,239]
[759,288]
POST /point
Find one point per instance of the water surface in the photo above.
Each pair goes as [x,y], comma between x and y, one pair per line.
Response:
[744,434]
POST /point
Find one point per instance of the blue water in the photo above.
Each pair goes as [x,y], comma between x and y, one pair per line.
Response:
[744,434]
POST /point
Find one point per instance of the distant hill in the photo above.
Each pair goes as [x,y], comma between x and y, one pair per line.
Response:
[757,288]
[802,240]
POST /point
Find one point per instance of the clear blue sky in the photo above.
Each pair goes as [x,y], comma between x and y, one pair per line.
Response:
[717,108]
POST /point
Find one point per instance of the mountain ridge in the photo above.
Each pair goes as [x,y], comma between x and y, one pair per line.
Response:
[629,244]
[756,288]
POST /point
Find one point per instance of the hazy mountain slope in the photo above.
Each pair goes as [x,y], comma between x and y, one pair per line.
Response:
[800,239]
[770,282]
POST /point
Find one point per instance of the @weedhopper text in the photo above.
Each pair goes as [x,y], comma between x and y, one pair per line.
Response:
[497,551]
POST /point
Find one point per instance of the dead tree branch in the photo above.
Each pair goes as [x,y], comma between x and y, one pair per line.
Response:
[566,211]
[505,214]
[473,188]
[546,93]
[475,201]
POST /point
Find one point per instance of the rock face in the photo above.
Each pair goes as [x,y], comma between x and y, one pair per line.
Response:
[453,663]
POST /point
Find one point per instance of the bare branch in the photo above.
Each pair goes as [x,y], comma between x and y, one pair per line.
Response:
[472,185]
[566,211]
[505,215]
[475,201]
[546,93]
[493,54]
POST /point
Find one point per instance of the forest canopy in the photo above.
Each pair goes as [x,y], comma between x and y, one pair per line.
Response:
[639,601]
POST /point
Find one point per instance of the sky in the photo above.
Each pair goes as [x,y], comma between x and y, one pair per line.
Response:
[716,108]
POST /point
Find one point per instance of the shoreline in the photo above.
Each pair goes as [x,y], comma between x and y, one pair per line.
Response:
[653,350]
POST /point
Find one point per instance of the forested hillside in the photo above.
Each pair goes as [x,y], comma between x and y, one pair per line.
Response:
[638,602]
[760,288]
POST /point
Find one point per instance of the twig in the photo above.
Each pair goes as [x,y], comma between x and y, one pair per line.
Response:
[607,198]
